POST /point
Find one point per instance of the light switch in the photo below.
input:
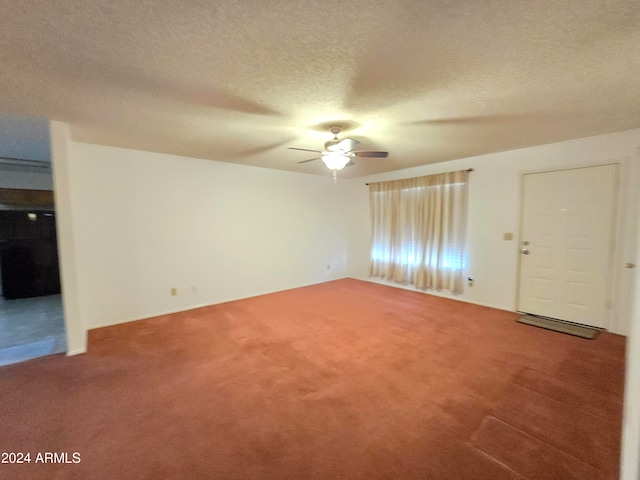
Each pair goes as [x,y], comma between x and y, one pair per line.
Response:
[507,236]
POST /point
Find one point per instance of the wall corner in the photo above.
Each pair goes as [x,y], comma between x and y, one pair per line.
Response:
[76,332]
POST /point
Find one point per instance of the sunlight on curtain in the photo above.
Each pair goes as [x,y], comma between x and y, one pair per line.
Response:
[419,230]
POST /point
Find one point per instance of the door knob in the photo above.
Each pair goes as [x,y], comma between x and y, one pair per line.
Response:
[525,251]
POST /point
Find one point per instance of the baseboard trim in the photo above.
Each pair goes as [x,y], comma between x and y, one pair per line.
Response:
[204,305]
[433,293]
[77,351]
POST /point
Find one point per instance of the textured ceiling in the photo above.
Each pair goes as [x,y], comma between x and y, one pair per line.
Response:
[240,81]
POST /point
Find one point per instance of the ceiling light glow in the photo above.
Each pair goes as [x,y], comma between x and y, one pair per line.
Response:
[335,161]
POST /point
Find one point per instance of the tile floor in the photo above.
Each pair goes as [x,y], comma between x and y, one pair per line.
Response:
[30,328]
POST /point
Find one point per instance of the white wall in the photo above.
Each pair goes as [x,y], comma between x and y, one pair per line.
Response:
[60,158]
[494,209]
[145,222]
[630,459]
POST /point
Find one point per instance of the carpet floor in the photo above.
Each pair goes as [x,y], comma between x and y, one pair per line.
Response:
[342,380]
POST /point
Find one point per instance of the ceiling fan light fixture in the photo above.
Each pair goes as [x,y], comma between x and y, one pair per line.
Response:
[332,145]
[335,161]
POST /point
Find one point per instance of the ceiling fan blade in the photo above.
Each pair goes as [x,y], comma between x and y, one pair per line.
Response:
[310,160]
[304,149]
[350,164]
[372,154]
[346,145]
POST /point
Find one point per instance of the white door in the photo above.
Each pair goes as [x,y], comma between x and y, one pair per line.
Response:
[567,226]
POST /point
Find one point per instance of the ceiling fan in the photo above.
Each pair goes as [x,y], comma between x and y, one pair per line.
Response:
[338,153]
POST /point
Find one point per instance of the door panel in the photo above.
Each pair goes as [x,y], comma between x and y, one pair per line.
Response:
[568,223]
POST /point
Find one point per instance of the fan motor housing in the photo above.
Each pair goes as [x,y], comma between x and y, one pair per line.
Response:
[330,144]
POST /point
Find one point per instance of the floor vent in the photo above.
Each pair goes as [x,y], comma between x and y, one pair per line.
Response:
[560,326]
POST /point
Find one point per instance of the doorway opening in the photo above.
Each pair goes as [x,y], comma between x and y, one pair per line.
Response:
[31,314]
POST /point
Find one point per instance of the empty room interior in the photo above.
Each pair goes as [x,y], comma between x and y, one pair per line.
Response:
[324,240]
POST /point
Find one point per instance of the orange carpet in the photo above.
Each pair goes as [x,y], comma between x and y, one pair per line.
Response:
[343,380]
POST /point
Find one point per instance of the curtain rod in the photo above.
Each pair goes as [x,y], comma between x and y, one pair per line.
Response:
[468,170]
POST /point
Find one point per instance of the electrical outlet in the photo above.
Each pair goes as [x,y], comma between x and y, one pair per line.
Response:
[174,291]
[470,281]
[328,267]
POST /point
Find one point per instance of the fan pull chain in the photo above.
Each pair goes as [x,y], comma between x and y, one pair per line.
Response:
[335,176]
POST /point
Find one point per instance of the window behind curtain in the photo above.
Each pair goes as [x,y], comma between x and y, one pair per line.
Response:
[419,230]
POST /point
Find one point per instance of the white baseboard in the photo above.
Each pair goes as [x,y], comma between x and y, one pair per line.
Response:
[77,351]
[458,298]
[203,305]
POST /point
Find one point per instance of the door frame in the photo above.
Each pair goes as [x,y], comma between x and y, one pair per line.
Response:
[611,312]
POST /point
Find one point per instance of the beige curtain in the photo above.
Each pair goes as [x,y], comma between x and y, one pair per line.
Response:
[419,230]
